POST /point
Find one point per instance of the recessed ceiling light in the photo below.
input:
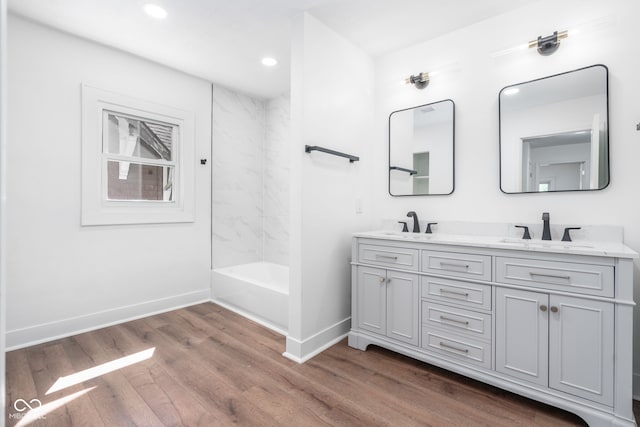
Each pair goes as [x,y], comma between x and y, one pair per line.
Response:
[155,11]
[269,62]
[512,91]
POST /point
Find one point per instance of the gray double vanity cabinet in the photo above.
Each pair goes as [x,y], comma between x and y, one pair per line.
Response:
[551,321]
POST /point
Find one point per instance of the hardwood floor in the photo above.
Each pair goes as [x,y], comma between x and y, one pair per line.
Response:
[213,367]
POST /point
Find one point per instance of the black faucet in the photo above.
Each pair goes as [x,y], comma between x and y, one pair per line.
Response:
[416,223]
[546,232]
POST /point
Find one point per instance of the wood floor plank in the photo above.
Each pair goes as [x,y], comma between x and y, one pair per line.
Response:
[213,367]
[48,363]
[463,405]
[20,385]
[116,400]
[211,387]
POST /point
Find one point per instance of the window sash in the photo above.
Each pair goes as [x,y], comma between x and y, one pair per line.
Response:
[139,160]
[105,185]
[107,157]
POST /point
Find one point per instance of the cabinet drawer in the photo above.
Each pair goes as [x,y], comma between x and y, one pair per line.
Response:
[564,276]
[472,295]
[458,320]
[389,256]
[455,264]
[457,348]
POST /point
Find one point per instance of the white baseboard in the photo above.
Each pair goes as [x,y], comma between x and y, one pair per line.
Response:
[302,350]
[37,334]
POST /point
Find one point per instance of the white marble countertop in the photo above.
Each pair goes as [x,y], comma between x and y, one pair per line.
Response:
[613,249]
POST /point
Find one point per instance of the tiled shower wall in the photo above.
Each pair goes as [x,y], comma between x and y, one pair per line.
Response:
[250,207]
[276,181]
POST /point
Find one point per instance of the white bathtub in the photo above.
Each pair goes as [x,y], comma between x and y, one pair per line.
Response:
[259,291]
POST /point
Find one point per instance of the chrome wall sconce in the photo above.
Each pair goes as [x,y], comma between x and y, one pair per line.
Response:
[549,44]
[420,80]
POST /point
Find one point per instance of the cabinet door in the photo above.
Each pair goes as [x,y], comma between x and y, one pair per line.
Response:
[522,334]
[372,297]
[403,305]
[581,348]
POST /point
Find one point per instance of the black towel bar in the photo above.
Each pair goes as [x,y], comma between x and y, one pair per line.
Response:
[310,148]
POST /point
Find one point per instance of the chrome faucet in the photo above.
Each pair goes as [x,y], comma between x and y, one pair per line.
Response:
[416,223]
[546,232]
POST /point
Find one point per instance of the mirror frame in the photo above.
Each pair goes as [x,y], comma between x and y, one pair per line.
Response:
[453,150]
[606,70]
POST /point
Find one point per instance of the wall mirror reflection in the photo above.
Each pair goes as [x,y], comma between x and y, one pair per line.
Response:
[421,149]
[554,133]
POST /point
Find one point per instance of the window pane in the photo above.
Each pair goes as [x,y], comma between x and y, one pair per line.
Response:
[133,181]
[130,136]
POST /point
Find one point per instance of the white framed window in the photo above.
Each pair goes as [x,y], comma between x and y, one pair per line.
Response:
[137,160]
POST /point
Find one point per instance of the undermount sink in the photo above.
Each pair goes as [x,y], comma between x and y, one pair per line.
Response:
[535,243]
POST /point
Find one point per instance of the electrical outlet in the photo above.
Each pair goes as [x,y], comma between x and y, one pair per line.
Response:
[358,205]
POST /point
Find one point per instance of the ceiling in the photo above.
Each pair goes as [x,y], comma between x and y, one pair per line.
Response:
[223,41]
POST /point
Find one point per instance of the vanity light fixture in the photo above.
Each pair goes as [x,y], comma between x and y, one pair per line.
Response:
[549,44]
[420,80]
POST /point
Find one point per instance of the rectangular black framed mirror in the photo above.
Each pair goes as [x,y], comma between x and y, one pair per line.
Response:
[554,133]
[421,150]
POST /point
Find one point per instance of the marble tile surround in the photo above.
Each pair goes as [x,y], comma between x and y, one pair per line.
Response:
[250,203]
[276,181]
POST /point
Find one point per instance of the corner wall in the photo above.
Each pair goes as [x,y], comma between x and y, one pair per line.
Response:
[65,278]
[473,79]
[331,106]
[3,207]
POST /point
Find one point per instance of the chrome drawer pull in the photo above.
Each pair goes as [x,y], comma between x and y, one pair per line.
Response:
[454,264]
[449,319]
[447,347]
[395,258]
[553,276]
[460,294]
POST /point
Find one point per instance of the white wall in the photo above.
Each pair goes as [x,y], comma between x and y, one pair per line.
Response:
[276,180]
[331,106]
[238,140]
[64,277]
[473,79]
[3,140]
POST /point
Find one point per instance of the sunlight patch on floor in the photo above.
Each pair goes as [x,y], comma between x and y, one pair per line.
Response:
[96,371]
